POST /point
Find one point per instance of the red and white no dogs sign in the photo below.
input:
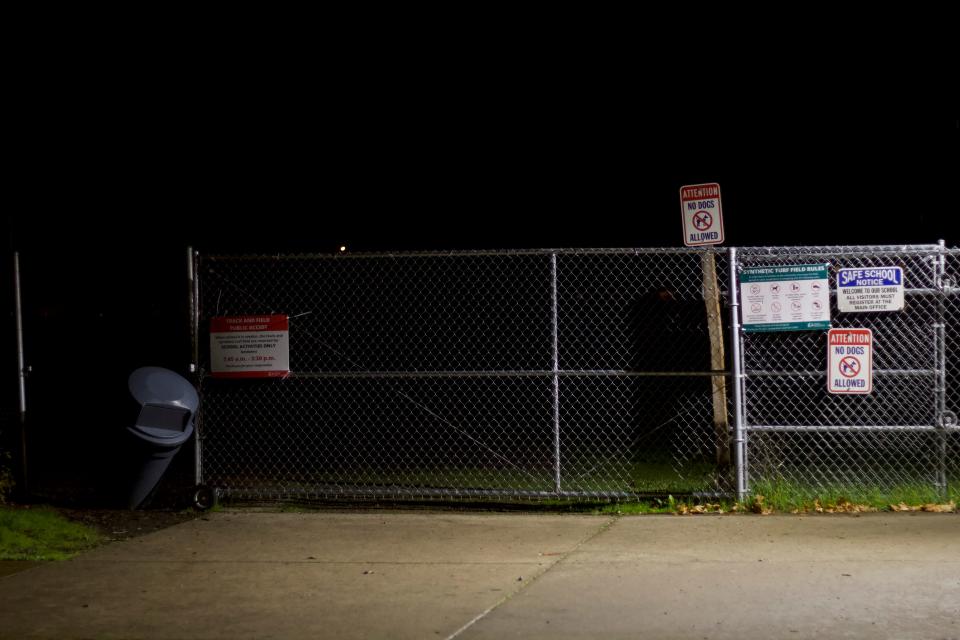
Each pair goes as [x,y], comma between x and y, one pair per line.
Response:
[702,214]
[850,361]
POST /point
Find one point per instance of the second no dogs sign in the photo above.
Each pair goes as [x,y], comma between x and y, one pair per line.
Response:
[850,361]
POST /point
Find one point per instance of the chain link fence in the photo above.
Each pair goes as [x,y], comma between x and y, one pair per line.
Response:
[559,374]
[899,440]
[527,374]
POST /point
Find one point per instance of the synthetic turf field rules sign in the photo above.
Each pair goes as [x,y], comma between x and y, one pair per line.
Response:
[850,361]
[702,214]
[791,297]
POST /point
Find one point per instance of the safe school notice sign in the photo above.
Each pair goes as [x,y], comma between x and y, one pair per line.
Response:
[870,289]
[250,346]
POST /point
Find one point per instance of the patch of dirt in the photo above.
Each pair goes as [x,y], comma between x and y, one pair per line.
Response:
[123,524]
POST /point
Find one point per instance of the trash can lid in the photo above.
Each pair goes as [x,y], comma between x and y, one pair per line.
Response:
[156,385]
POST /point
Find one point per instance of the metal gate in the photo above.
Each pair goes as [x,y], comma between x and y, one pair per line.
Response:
[901,439]
[524,374]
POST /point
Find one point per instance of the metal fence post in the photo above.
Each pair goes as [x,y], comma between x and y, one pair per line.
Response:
[21,375]
[941,368]
[194,354]
[194,307]
[556,373]
[739,440]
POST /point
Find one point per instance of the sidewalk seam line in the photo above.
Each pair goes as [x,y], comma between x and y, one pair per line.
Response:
[603,528]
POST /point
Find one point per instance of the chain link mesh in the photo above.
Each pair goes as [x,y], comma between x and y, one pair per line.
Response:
[574,374]
[802,438]
[570,374]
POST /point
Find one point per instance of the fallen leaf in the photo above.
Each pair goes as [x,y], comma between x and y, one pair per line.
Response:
[845,506]
[903,507]
[948,507]
[757,505]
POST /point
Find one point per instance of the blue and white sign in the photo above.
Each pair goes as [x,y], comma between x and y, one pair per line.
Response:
[869,289]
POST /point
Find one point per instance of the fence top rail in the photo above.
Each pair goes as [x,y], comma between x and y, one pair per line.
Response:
[749,252]
[466,253]
[845,250]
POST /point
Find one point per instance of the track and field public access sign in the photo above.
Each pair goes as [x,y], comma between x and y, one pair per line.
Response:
[794,297]
[250,346]
[850,361]
[869,289]
[702,214]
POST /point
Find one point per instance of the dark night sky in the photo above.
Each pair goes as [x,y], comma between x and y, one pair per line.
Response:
[441,142]
[475,180]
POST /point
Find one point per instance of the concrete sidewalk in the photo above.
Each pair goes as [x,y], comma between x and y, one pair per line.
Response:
[442,575]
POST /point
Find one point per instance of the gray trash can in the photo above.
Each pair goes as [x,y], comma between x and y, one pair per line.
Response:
[168,406]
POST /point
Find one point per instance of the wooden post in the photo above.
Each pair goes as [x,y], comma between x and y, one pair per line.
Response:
[711,298]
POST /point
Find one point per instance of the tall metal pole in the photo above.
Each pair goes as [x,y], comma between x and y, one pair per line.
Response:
[21,375]
[738,438]
[192,277]
[556,374]
[941,366]
[194,357]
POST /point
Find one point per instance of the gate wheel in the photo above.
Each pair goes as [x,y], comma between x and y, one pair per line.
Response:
[205,497]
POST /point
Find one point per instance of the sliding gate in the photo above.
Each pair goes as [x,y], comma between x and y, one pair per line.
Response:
[508,374]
